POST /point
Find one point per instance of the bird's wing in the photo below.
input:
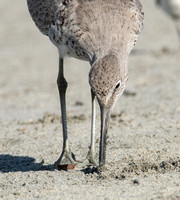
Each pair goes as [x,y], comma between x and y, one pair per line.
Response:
[91,24]
[95,24]
[43,13]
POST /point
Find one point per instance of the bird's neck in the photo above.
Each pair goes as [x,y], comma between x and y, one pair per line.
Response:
[119,56]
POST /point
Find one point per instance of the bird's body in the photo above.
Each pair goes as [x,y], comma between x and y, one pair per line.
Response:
[102,32]
[82,28]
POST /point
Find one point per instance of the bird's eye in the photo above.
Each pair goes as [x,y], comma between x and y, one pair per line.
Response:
[118,85]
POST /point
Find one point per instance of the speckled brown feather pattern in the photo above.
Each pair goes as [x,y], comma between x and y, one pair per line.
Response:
[88,27]
[103,76]
[102,32]
[43,13]
[109,25]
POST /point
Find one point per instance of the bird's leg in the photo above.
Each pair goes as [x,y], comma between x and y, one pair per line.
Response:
[67,156]
[91,152]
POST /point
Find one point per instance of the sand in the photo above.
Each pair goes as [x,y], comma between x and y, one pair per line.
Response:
[143,153]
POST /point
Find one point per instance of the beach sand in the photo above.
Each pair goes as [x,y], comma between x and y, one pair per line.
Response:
[143,152]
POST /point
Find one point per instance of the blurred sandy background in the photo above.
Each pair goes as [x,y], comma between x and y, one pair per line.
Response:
[143,155]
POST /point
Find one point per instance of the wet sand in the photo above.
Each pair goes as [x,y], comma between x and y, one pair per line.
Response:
[143,153]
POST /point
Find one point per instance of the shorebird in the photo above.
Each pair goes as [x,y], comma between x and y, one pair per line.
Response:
[102,32]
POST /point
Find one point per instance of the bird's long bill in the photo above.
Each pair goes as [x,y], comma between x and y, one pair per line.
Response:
[105,117]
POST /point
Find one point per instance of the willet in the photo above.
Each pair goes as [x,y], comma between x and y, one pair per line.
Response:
[102,32]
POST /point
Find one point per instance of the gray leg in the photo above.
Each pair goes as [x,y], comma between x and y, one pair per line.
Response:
[67,156]
[91,153]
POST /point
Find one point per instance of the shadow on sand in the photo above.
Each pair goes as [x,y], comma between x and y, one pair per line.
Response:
[9,163]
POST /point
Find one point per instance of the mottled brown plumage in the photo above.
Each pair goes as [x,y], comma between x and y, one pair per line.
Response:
[102,32]
[88,26]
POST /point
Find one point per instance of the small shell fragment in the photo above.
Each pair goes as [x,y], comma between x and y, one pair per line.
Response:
[66,167]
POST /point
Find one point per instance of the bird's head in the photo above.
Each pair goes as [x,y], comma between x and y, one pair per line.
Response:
[107,78]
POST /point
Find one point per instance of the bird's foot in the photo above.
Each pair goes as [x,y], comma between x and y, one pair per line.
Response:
[90,158]
[67,157]
[67,160]
[101,168]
